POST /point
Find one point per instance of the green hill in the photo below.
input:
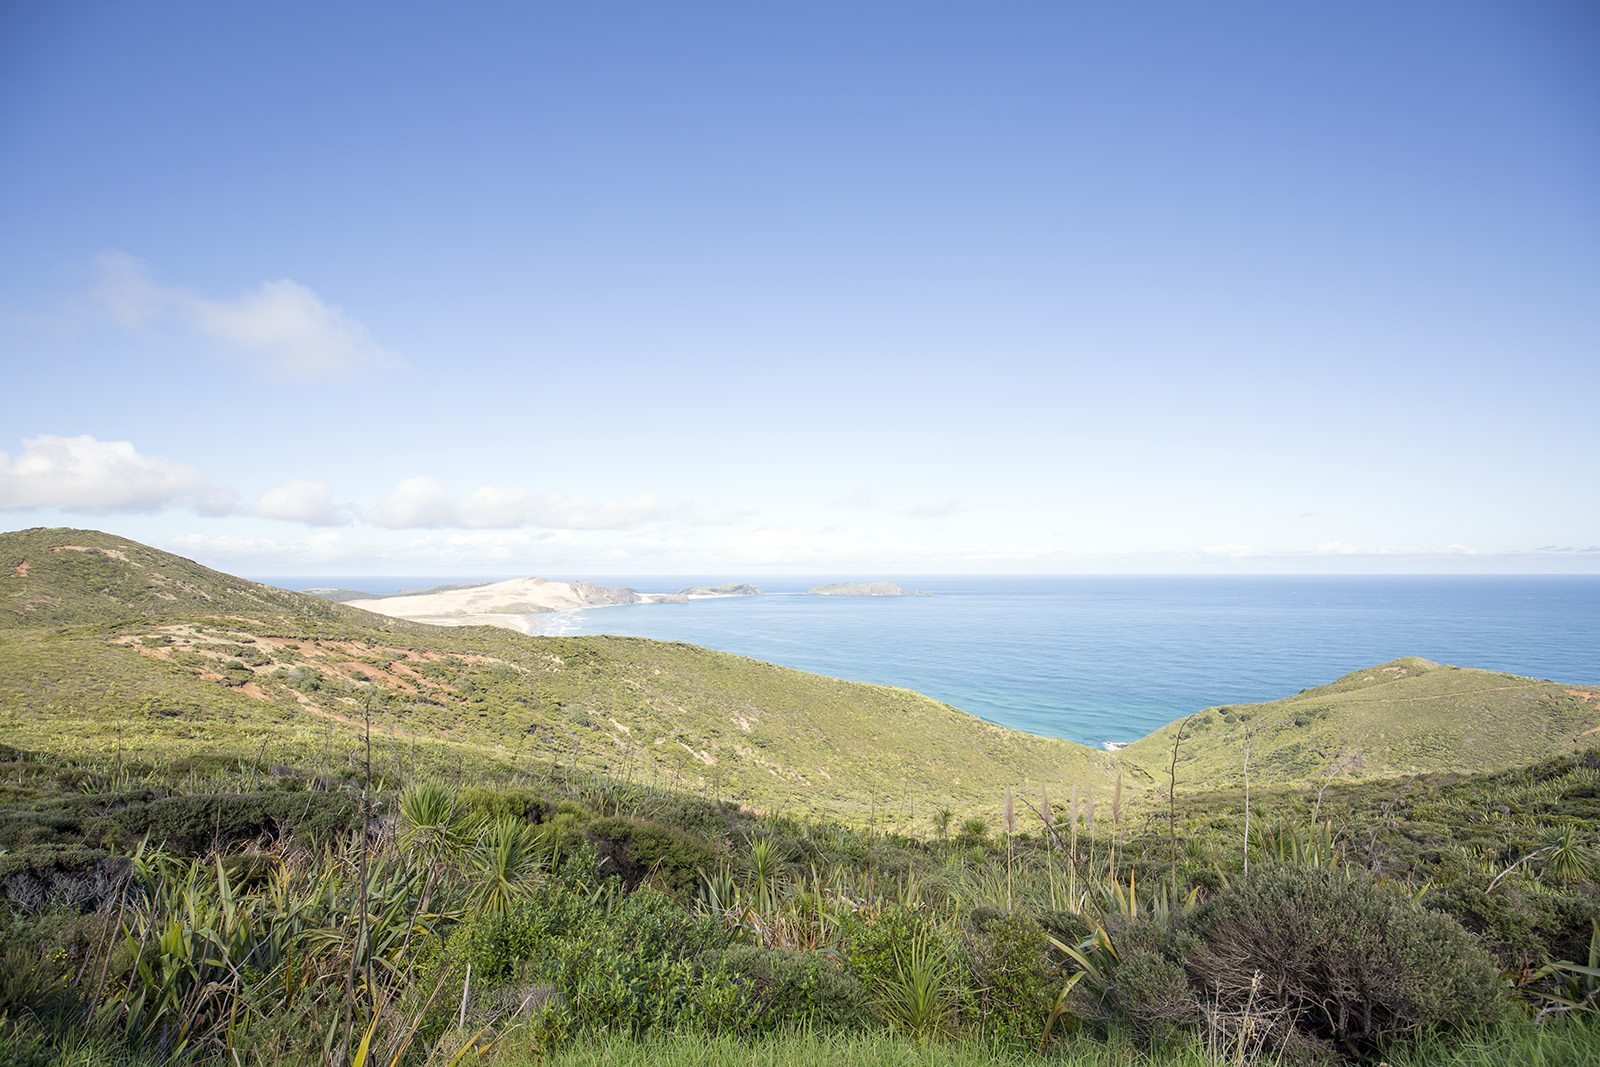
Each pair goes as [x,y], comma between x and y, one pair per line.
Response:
[109,646]
[61,577]
[1404,717]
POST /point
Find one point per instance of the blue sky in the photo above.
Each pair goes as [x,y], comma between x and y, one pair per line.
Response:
[822,288]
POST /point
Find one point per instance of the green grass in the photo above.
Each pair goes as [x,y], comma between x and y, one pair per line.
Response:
[836,1050]
[97,659]
[1406,717]
[108,647]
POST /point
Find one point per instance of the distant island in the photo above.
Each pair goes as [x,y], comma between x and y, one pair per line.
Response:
[725,589]
[859,589]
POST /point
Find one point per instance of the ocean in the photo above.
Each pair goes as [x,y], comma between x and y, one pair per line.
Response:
[1107,659]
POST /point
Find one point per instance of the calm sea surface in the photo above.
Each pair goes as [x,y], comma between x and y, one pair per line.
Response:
[1098,659]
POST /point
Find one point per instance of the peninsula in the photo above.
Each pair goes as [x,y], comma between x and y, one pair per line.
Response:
[506,604]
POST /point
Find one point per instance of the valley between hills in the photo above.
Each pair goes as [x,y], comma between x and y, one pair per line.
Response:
[111,648]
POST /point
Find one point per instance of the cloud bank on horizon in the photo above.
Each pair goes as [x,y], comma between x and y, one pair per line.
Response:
[1242,290]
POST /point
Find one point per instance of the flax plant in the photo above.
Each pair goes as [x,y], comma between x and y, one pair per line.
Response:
[1011,829]
[1072,821]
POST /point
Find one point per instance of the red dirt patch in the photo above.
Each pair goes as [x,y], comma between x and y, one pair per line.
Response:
[22,569]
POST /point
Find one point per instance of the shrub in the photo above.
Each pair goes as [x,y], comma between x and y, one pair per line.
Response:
[635,849]
[193,824]
[1353,963]
[1012,979]
[1520,928]
[497,944]
[787,987]
[42,876]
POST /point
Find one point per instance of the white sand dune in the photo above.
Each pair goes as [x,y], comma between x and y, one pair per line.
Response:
[506,603]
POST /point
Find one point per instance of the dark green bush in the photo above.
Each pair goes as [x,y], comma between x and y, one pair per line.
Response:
[19,829]
[1520,928]
[1354,963]
[497,945]
[870,946]
[649,964]
[635,849]
[496,803]
[787,987]
[700,818]
[1150,993]
[1012,980]
[50,876]
[193,824]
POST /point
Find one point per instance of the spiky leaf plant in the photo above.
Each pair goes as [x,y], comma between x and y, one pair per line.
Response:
[504,865]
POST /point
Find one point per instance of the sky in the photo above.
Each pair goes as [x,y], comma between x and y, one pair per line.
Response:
[837,289]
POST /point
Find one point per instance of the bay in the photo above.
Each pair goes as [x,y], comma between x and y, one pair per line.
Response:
[1109,659]
[1100,659]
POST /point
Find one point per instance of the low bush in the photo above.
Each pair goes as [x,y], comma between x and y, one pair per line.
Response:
[1011,978]
[46,876]
[1519,927]
[1354,964]
[195,824]
[787,988]
[635,849]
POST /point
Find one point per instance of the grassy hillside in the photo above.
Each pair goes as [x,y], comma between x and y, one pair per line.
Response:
[163,661]
[1403,717]
[109,646]
[60,577]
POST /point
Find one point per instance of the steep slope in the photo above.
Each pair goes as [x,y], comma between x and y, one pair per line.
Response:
[1404,717]
[169,661]
[108,646]
[64,577]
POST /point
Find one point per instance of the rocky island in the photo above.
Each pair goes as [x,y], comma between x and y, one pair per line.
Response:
[859,589]
[725,589]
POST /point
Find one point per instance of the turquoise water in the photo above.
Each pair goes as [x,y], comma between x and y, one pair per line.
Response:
[1108,659]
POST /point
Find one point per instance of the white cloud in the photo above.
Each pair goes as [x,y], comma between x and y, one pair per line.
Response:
[282,327]
[860,498]
[84,474]
[935,510]
[310,502]
[427,503]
